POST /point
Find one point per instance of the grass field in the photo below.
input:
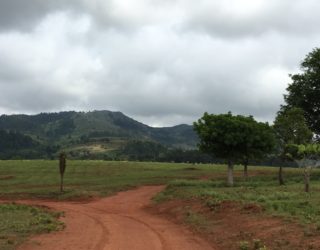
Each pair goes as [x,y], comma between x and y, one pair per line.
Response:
[83,179]
[288,201]
[205,183]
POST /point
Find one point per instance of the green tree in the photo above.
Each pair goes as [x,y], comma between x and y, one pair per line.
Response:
[232,138]
[290,128]
[259,142]
[304,91]
[307,156]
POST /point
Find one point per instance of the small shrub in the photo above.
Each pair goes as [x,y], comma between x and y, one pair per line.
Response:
[263,248]
[275,206]
[10,241]
[212,204]
[244,245]
[262,198]
[257,244]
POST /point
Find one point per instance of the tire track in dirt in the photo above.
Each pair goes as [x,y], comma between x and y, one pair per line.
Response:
[162,240]
[104,239]
[120,222]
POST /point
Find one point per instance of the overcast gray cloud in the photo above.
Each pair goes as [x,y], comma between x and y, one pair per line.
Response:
[162,62]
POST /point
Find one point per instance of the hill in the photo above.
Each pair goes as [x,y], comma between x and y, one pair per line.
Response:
[95,132]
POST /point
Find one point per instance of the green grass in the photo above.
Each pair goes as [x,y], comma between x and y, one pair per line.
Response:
[289,201]
[197,220]
[83,179]
[20,221]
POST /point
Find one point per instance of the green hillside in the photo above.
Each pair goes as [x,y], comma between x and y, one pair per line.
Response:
[83,133]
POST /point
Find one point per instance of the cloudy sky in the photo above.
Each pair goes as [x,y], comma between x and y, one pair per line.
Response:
[163,62]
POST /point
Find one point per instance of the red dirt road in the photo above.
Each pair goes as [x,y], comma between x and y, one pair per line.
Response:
[119,222]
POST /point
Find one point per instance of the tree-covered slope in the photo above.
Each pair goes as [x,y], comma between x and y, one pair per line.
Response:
[71,129]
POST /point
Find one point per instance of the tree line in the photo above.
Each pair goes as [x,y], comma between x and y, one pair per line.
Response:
[294,136]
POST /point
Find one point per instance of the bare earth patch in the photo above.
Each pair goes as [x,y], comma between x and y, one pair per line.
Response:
[230,224]
[119,222]
[6,177]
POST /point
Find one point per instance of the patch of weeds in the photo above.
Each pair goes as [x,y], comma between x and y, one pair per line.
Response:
[263,248]
[161,197]
[244,245]
[78,195]
[258,245]
[281,243]
[213,204]
[275,206]
[262,199]
[19,221]
[196,220]
[282,196]
[190,183]
[165,195]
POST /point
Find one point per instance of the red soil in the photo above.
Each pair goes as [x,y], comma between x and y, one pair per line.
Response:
[120,222]
[230,223]
[128,220]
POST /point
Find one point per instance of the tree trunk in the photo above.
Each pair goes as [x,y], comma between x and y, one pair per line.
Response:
[61,183]
[230,174]
[245,170]
[281,181]
[307,179]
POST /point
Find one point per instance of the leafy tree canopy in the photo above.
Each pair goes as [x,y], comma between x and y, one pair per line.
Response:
[307,156]
[234,137]
[304,91]
[301,151]
[291,128]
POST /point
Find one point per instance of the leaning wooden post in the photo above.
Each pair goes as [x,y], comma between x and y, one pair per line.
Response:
[307,171]
[62,168]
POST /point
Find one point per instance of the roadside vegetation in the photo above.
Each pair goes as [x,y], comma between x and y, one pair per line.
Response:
[17,222]
[256,213]
[289,201]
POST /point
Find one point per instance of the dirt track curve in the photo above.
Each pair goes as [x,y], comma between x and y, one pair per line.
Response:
[119,222]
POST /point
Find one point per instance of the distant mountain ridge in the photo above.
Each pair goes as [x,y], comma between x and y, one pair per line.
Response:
[68,129]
